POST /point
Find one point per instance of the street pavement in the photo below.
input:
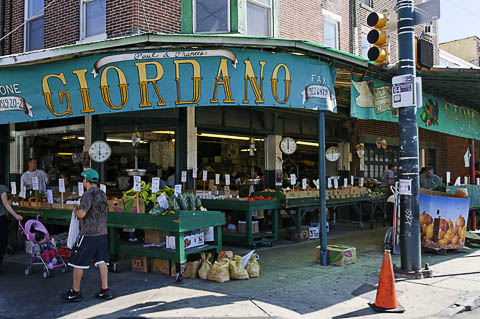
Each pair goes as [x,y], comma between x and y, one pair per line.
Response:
[290,285]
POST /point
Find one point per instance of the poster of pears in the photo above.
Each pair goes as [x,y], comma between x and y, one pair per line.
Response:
[443,221]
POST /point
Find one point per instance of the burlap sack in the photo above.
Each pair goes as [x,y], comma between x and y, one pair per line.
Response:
[219,271]
[253,267]
[205,267]
[237,271]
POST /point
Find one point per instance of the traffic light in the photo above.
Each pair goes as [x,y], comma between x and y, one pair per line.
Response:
[424,54]
[378,37]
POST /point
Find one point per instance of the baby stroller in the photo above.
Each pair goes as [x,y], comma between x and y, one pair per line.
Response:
[31,227]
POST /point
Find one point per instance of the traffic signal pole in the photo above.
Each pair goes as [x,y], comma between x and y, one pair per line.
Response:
[408,132]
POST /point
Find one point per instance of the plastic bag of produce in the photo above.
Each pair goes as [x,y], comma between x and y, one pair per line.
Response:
[237,271]
[253,267]
[219,271]
[225,254]
[205,267]
[73,231]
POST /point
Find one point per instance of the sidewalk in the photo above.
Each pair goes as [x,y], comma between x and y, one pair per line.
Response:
[290,285]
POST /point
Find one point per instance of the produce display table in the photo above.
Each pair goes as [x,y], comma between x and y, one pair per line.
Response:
[247,207]
[474,196]
[177,224]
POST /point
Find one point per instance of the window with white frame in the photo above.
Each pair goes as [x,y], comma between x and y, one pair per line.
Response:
[211,16]
[367,2]
[34,25]
[259,17]
[331,26]
[365,46]
[92,20]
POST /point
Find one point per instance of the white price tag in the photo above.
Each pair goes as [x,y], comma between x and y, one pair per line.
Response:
[35,183]
[293,179]
[155,185]
[335,183]
[61,185]
[465,180]
[178,189]
[103,188]
[217,179]
[137,183]
[345,182]
[49,196]
[13,186]
[318,184]
[457,181]
[361,181]
[23,192]
[227,179]
[204,176]
[162,201]
[329,182]
[80,189]
[304,183]
[478,180]
[195,173]
[184,177]
[352,180]
[448,177]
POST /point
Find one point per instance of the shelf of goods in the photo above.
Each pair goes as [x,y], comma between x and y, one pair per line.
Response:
[177,224]
[249,237]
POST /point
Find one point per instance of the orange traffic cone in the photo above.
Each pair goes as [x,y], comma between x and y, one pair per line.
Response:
[386,300]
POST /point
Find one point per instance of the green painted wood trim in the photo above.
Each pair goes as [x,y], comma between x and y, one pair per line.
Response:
[187,16]
[234,15]
[241,7]
[276,18]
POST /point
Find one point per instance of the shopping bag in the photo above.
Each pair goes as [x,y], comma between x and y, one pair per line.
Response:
[219,271]
[253,267]
[205,267]
[73,231]
[237,271]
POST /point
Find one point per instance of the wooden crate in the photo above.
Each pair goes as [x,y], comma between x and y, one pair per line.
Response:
[141,264]
[155,236]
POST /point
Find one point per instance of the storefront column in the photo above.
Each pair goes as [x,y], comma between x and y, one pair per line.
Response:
[16,156]
[185,146]
[94,131]
[4,149]
[273,159]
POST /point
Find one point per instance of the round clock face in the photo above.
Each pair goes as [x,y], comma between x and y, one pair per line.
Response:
[332,153]
[288,145]
[99,151]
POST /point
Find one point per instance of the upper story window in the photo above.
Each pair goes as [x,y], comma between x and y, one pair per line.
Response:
[367,2]
[331,23]
[33,25]
[259,17]
[92,20]
[211,16]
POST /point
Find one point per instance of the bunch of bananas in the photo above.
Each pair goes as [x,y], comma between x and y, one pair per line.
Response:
[146,193]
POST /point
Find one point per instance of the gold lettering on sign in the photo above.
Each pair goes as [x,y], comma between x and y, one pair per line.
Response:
[455,110]
[223,78]
[82,81]
[287,81]
[250,77]
[47,94]
[197,81]
[122,84]
[143,82]
[448,111]
[475,118]
[463,114]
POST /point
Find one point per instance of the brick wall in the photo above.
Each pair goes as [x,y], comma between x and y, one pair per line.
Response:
[61,26]
[14,17]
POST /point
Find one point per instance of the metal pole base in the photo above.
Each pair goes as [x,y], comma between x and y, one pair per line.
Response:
[375,308]
[412,274]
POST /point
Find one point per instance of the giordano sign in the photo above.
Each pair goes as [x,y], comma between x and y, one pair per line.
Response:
[144,80]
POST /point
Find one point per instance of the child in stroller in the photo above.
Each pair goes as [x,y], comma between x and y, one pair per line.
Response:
[45,253]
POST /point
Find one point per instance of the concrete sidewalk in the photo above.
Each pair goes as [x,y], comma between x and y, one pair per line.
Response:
[291,285]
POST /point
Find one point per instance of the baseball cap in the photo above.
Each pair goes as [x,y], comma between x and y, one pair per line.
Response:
[91,175]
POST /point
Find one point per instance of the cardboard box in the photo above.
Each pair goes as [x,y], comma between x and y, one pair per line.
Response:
[115,205]
[155,236]
[161,266]
[339,255]
[242,226]
[141,264]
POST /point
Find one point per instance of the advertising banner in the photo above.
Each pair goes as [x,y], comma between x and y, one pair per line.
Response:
[152,79]
[443,221]
[371,99]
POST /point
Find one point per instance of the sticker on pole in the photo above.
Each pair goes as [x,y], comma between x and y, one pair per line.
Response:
[403,94]
[405,187]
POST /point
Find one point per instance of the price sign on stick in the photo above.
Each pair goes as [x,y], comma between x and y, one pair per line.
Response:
[155,185]
[318,183]
[293,179]
[304,183]
[178,189]
[465,180]
[137,183]
[184,177]
[457,181]
[361,181]
[345,182]
[217,179]
[61,185]
[195,173]
[478,180]
[335,183]
[204,176]
[80,189]
[23,192]
[448,177]
[49,196]
[329,183]
[103,188]
[35,183]
[13,186]
[352,180]
[227,179]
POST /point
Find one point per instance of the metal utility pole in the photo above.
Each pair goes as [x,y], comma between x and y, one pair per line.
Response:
[322,177]
[408,132]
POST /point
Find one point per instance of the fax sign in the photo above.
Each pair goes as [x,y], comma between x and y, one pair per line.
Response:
[403,94]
